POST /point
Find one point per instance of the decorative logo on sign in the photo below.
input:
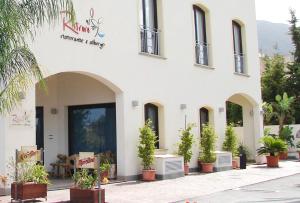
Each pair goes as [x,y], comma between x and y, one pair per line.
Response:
[29,154]
[91,26]
[86,160]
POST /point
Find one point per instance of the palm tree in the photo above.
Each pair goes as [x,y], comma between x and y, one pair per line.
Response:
[19,20]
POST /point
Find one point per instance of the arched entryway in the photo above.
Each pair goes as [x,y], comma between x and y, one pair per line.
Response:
[245,113]
[206,115]
[76,113]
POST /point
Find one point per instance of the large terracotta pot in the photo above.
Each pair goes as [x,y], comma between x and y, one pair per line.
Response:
[283,155]
[234,164]
[272,161]
[28,191]
[149,175]
[207,167]
[186,169]
[78,195]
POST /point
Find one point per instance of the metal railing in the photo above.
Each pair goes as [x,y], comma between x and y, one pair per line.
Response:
[201,53]
[150,41]
[239,60]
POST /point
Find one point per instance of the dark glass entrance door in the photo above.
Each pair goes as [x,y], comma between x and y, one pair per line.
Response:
[92,128]
[39,119]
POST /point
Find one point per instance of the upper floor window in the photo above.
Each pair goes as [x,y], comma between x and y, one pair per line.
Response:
[150,36]
[238,48]
[200,36]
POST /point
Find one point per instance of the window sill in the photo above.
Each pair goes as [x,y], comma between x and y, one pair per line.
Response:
[204,66]
[153,55]
[242,74]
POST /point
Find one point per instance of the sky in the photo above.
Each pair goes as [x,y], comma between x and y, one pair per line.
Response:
[276,11]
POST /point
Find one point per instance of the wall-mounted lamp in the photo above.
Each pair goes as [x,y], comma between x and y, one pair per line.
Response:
[183,106]
[135,103]
[53,111]
[221,109]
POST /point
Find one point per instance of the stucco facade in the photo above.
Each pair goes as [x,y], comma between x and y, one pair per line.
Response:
[79,72]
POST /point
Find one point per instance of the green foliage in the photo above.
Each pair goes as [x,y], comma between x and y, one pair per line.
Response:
[286,135]
[234,114]
[242,149]
[84,180]
[207,144]
[146,146]
[272,146]
[186,143]
[230,143]
[29,172]
[104,167]
[18,66]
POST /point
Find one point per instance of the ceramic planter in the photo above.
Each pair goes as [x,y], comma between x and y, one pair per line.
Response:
[283,155]
[272,161]
[28,191]
[78,195]
[149,175]
[207,167]
[186,169]
[243,161]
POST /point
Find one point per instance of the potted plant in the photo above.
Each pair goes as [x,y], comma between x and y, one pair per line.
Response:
[31,182]
[146,150]
[85,190]
[230,144]
[286,134]
[207,145]
[185,146]
[104,171]
[243,153]
[272,146]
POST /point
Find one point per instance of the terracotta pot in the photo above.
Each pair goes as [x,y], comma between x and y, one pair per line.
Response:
[149,175]
[272,161]
[186,169]
[207,167]
[103,175]
[199,165]
[28,191]
[78,195]
[234,164]
[283,155]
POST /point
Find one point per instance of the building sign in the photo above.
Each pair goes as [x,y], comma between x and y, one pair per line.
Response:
[89,32]
[29,154]
[86,160]
[21,118]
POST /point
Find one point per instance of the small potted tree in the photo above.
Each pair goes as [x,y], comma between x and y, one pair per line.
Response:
[185,146]
[85,190]
[31,182]
[104,171]
[207,145]
[272,146]
[146,150]
[230,144]
[286,134]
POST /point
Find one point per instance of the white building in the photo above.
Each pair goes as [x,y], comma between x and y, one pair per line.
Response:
[125,61]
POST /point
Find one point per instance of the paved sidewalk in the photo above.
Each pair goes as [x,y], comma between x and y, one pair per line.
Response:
[188,187]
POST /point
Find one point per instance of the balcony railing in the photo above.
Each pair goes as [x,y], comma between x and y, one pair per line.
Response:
[150,41]
[201,53]
[239,60]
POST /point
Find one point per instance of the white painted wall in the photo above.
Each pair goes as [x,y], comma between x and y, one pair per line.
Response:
[170,80]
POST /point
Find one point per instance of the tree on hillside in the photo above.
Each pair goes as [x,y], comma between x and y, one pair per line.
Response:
[19,20]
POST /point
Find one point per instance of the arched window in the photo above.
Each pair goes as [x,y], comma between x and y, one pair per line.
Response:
[151,112]
[238,47]
[200,36]
[149,28]
[204,117]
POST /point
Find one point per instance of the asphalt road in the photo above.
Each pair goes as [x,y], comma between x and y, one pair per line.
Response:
[283,190]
